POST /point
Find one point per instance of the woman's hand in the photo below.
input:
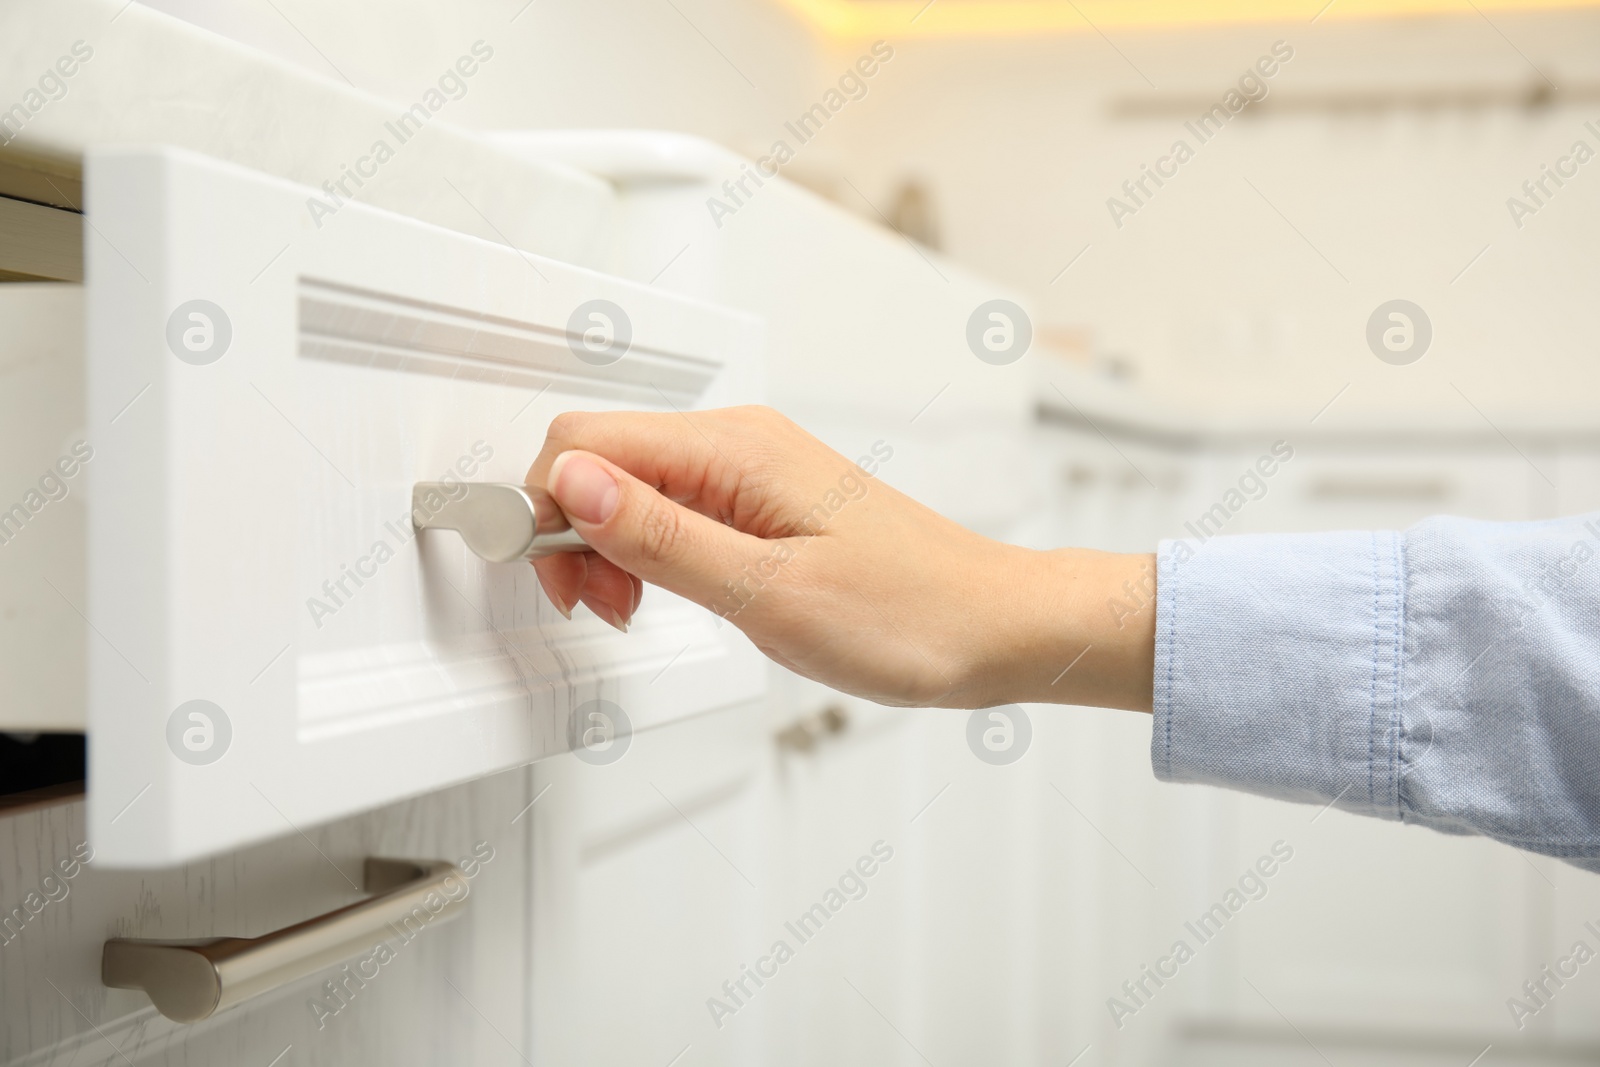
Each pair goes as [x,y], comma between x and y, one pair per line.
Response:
[831,573]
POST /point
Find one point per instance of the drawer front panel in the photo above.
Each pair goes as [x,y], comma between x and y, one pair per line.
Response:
[268,390]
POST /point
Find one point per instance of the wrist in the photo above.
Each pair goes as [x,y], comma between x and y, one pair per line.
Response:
[1083,631]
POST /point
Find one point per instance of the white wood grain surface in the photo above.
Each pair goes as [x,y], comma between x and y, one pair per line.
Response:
[42,518]
[237,489]
[455,994]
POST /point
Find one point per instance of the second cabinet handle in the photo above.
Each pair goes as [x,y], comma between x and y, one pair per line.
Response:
[192,980]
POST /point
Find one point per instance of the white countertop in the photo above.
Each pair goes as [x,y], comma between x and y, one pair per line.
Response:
[152,78]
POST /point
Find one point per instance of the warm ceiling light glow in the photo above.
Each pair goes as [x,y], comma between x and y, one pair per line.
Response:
[894,19]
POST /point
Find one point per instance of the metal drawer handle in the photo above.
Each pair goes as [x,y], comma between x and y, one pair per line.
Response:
[192,980]
[500,522]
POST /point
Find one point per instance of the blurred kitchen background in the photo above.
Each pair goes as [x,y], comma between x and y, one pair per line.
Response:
[1171,345]
[1378,166]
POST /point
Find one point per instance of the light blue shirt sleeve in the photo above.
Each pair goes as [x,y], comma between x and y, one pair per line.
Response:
[1448,675]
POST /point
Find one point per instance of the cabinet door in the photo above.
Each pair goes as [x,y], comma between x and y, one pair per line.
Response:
[1326,486]
[269,373]
[451,992]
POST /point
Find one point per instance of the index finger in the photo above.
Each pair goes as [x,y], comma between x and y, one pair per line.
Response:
[706,465]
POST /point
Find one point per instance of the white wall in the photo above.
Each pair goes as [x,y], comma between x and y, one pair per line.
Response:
[1207,289]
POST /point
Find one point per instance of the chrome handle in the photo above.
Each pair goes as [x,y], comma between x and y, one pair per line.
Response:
[500,522]
[192,980]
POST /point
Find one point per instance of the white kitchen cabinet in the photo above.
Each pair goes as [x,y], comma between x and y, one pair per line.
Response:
[41,510]
[848,778]
[451,992]
[649,878]
[1329,485]
[270,643]
[254,494]
[151,78]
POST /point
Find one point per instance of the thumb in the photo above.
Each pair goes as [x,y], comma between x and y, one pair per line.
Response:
[646,534]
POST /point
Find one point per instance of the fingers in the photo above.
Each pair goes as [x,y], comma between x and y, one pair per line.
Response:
[705,461]
[561,576]
[655,447]
[588,578]
[608,591]
[641,535]
[572,578]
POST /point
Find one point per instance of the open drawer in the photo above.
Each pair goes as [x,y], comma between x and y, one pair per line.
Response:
[270,644]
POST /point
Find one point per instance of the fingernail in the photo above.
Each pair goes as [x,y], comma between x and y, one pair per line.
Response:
[585,490]
[552,596]
[616,620]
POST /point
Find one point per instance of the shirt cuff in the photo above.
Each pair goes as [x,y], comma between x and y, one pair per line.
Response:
[1279,665]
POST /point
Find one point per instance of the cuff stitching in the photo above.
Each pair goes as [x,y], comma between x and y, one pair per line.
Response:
[1172,652]
[1372,695]
[1396,713]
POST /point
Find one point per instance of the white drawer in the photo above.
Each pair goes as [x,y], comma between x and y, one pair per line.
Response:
[248,537]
